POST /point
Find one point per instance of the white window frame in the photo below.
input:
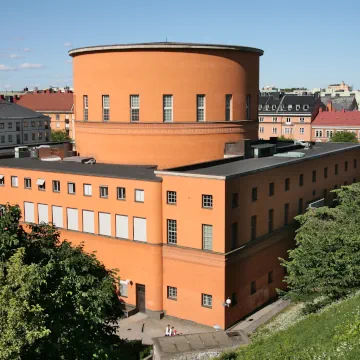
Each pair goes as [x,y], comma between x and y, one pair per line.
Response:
[2,180]
[41,183]
[171,197]
[87,189]
[86,107]
[56,186]
[200,108]
[206,300]
[27,183]
[297,107]
[207,201]
[74,223]
[138,236]
[171,231]
[318,133]
[274,119]
[139,195]
[104,191]
[302,120]
[290,107]
[329,133]
[105,225]
[274,130]
[306,107]
[134,108]
[43,217]
[71,188]
[60,222]
[14,181]
[302,131]
[88,227]
[121,226]
[288,120]
[228,107]
[121,193]
[261,129]
[29,216]
[168,109]
[172,292]
[261,119]
[124,288]
[273,107]
[106,107]
[207,237]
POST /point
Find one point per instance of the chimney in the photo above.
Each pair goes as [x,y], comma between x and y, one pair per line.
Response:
[329,106]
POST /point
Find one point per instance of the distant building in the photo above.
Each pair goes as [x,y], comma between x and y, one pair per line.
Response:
[287,115]
[339,103]
[22,126]
[57,105]
[328,123]
[338,87]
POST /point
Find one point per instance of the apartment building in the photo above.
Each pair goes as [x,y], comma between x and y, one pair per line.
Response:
[287,115]
[22,126]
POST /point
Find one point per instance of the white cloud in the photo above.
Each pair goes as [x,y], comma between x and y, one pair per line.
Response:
[68,44]
[31,66]
[15,56]
[5,68]
[27,49]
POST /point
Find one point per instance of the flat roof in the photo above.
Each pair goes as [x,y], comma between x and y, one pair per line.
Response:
[162,46]
[228,169]
[134,172]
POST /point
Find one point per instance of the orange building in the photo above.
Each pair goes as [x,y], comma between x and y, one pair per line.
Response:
[186,228]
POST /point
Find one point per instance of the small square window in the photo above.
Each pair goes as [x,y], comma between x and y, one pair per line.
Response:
[206,300]
[270,277]
[235,200]
[56,186]
[71,188]
[87,190]
[172,292]
[104,192]
[27,183]
[171,197]
[121,193]
[254,194]
[207,201]
[253,288]
[14,181]
[139,195]
[2,180]
[41,184]
[124,288]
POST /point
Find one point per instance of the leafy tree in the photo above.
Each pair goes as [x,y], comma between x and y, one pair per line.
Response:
[56,301]
[344,136]
[284,138]
[59,135]
[326,260]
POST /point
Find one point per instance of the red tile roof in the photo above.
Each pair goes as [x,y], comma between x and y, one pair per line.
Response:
[47,101]
[338,118]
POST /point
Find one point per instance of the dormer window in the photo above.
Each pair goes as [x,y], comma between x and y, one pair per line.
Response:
[289,107]
[306,107]
[288,120]
[281,107]
[266,107]
[259,107]
[297,107]
[274,107]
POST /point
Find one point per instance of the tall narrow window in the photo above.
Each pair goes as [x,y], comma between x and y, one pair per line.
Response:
[301,179]
[207,231]
[325,172]
[228,107]
[346,166]
[355,163]
[253,227]
[314,176]
[106,107]
[234,235]
[286,214]
[134,108]
[200,108]
[287,184]
[300,206]
[271,220]
[248,107]
[168,108]
[254,194]
[336,169]
[271,189]
[171,231]
[86,108]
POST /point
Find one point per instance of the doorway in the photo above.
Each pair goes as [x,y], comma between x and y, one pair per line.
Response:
[140,297]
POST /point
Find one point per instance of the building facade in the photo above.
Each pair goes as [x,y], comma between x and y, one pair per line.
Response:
[289,116]
[167,104]
[22,126]
[58,106]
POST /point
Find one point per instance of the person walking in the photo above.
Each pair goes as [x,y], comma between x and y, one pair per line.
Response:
[168,331]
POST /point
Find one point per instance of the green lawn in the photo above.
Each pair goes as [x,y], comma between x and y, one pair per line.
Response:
[333,333]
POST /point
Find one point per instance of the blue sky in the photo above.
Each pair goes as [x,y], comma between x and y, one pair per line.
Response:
[306,43]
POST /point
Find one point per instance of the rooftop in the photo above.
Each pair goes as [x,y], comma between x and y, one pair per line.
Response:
[12,111]
[162,45]
[338,118]
[341,102]
[48,101]
[135,172]
[241,167]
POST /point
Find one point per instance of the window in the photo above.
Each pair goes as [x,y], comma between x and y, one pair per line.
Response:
[235,200]
[139,195]
[26,137]
[355,163]
[289,107]
[87,190]
[104,192]
[105,224]
[261,129]
[56,186]
[10,138]
[270,277]
[86,107]
[234,235]
[253,287]
[261,119]
[17,126]
[288,120]
[302,131]
[71,188]
[287,184]
[172,293]
[32,123]
[273,107]
[1,125]
[301,179]
[88,221]
[318,133]
[46,125]
[254,194]
[300,206]
[33,136]
[274,119]
[329,133]
[200,108]
[274,130]
[207,201]
[2,180]
[228,107]
[253,227]
[271,189]
[207,232]
[171,231]
[9,125]
[40,136]
[2,139]
[29,213]
[43,213]
[121,193]
[297,107]
[168,108]
[325,172]
[346,166]
[134,108]
[302,120]
[271,220]
[57,216]
[122,226]
[171,197]
[248,107]
[287,131]
[314,176]
[72,219]
[306,107]
[27,183]
[106,107]
[206,300]
[233,299]
[14,181]
[286,214]
[336,169]
[124,288]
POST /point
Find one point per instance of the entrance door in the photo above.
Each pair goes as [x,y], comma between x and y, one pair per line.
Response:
[140,297]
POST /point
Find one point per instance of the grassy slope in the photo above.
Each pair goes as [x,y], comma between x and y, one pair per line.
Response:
[314,337]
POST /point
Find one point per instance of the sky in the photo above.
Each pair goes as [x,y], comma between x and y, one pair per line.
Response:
[306,43]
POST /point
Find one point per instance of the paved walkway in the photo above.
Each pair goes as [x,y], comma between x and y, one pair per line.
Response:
[141,327]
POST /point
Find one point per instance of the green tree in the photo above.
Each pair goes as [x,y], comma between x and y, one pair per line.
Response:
[56,301]
[59,135]
[326,260]
[344,136]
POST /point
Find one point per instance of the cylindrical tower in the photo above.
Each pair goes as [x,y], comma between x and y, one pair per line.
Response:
[165,104]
